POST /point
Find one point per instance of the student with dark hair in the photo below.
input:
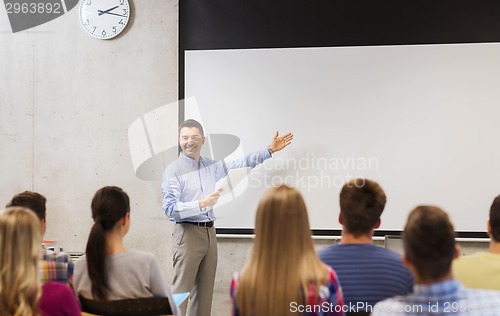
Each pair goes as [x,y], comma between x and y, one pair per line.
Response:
[108,270]
[482,270]
[429,245]
[33,201]
[21,292]
[55,266]
[368,273]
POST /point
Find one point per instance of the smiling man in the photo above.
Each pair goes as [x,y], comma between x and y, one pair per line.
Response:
[189,196]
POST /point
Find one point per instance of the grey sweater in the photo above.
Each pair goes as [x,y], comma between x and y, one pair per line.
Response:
[131,274]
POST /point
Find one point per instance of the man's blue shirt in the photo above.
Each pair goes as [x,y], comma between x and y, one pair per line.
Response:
[185,182]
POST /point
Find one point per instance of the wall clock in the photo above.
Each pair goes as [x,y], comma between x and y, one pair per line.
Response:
[104,19]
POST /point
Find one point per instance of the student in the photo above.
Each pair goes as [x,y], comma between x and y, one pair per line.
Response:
[189,195]
[55,266]
[284,275]
[368,273]
[429,245]
[482,270]
[108,270]
[20,290]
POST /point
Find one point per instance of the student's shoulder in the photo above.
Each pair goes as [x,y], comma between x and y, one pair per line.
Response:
[478,256]
[61,256]
[139,255]
[329,249]
[57,291]
[331,274]
[465,263]
[388,253]
[391,306]
[483,295]
[56,287]
[352,248]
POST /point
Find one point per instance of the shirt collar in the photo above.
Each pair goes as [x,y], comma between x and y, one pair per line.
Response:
[439,288]
[189,160]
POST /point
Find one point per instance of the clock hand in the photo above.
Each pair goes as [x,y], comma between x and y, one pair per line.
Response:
[100,12]
[123,16]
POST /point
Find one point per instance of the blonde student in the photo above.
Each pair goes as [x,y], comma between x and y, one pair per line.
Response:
[284,275]
[21,293]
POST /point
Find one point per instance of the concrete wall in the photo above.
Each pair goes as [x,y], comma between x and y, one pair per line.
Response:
[66,102]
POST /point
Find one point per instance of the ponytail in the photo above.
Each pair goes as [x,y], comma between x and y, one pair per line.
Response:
[96,262]
[109,205]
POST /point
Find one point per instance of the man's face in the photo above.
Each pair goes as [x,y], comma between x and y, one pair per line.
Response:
[190,140]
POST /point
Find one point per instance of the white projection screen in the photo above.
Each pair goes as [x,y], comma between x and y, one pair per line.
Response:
[420,119]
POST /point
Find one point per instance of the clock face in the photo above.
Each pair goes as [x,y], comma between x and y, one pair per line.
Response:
[104,19]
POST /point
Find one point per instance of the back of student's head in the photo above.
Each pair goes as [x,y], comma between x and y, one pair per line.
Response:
[282,216]
[20,238]
[109,205]
[495,219]
[283,259]
[362,201]
[429,242]
[31,200]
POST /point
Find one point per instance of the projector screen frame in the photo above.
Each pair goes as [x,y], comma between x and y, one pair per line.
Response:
[236,24]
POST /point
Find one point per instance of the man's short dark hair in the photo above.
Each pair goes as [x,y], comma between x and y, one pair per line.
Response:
[31,200]
[429,242]
[495,219]
[362,201]
[190,123]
